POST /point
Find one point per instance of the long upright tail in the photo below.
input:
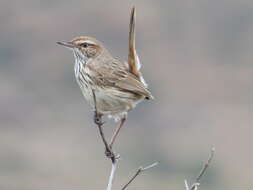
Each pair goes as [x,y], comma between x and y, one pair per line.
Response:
[133,59]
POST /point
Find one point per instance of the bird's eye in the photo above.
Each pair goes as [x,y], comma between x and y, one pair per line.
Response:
[85,45]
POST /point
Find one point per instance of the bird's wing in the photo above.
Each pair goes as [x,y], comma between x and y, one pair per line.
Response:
[117,75]
[130,83]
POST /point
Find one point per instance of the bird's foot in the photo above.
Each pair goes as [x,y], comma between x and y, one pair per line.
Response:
[109,153]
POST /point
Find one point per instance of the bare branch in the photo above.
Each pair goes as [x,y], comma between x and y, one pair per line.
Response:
[206,165]
[195,185]
[139,171]
[111,178]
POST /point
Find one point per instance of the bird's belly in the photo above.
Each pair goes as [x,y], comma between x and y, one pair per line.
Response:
[109,103]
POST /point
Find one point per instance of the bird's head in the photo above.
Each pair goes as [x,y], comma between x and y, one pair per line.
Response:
[84,48]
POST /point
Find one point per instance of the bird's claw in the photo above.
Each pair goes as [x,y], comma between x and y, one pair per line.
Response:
[109,153]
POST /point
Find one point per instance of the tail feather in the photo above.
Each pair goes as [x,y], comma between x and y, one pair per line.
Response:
[133,59]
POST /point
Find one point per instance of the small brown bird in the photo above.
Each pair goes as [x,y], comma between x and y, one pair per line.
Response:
[116,85]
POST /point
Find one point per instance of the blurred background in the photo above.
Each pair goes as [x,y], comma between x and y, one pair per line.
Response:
[197,60]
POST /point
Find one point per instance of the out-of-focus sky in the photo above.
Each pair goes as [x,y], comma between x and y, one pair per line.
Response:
[197,59]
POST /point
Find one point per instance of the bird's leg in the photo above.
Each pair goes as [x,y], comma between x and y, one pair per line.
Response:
[97,115]
[98,121]
[108,150]
[116,132]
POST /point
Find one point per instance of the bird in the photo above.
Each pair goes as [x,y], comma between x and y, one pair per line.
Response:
[112,87]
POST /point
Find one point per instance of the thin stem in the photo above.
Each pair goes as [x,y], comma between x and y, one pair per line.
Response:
[110,182]
[195,185]
[139,171]
[206,165]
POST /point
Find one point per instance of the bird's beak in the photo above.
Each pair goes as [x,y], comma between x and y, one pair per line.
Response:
[66,44]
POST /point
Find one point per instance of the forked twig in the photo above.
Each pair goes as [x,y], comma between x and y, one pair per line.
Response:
[195,185]
[139,171]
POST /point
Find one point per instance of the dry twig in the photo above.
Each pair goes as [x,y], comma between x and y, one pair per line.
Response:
[195,185]
[139,171]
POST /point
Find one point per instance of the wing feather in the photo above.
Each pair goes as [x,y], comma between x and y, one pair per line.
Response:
[130,83]
[113,73]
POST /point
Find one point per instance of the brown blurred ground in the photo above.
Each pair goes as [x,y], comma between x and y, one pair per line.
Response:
[197,59]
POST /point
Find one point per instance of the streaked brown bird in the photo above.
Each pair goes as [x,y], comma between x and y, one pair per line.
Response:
[110,86]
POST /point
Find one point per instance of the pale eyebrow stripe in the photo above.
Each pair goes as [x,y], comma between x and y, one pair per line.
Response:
[87,41]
